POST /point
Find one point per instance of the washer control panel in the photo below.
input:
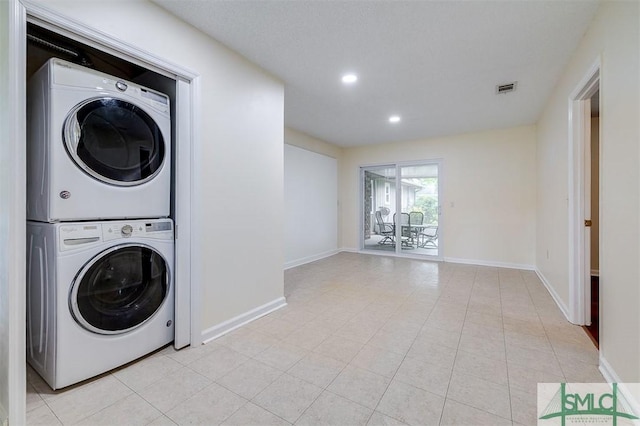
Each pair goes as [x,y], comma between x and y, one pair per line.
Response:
[159,229]
[82,234]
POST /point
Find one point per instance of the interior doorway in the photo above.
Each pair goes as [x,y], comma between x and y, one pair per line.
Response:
[584,205]
[593,327]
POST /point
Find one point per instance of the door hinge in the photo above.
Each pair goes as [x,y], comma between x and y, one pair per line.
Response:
[587,222]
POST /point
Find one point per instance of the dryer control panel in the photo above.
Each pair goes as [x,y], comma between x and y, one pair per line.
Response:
[72,75]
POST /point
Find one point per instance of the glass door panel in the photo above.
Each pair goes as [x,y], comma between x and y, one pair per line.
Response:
[379,205]
[420,208]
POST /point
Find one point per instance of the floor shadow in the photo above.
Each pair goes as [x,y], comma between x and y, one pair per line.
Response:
[593,329]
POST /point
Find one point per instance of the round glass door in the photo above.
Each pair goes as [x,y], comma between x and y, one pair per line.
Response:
[114,141]
[120,289]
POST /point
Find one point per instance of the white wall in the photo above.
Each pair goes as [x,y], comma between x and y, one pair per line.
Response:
[614,36]
[488,200]
[302,140]
[310,205]
[238,158]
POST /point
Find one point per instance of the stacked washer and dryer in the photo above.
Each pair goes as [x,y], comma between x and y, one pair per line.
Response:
[100,243]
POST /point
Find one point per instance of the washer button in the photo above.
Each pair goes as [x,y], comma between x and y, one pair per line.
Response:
[121,86]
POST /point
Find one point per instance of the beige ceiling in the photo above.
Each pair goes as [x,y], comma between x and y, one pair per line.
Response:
[434,63]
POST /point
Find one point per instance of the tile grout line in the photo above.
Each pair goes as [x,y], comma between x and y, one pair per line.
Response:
[467,311]
[325,389]
[405,357]
[555,355]
[348,363]
[322,389]
[475,274]
[504,342]
[343,368]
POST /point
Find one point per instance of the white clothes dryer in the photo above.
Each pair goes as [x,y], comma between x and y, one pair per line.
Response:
[99,295]
[98,147]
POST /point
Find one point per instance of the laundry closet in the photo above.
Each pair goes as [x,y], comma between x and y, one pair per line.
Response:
[100,209]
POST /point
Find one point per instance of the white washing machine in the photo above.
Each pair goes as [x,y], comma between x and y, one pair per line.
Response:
[98,147]
[99,295]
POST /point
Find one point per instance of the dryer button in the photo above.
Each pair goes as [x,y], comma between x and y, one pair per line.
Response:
[121,86]
[126,230]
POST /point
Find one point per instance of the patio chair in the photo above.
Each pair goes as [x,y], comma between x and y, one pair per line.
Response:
[406,229]
[428,237]
[387,230]
[415,218]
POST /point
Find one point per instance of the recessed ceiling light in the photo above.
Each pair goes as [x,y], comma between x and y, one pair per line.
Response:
[349,78]
[394,119]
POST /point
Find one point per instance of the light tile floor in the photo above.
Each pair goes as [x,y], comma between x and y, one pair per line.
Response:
[364,340]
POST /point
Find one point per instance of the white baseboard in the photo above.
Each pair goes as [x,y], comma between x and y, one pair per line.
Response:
[631,400]
[609,374]
[595,272]
[556,298]
[489,263]
[393,254]
[349,250]
[230,325]
[309,259]
[445,259]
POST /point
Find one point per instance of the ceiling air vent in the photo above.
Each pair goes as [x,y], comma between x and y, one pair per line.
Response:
[506,88]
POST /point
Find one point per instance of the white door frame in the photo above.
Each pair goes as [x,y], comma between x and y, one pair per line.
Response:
[580,195]
[13,220]
[187,296]
[398,204]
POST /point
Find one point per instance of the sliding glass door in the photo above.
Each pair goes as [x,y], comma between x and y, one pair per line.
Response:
[401,209]
[379,204]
